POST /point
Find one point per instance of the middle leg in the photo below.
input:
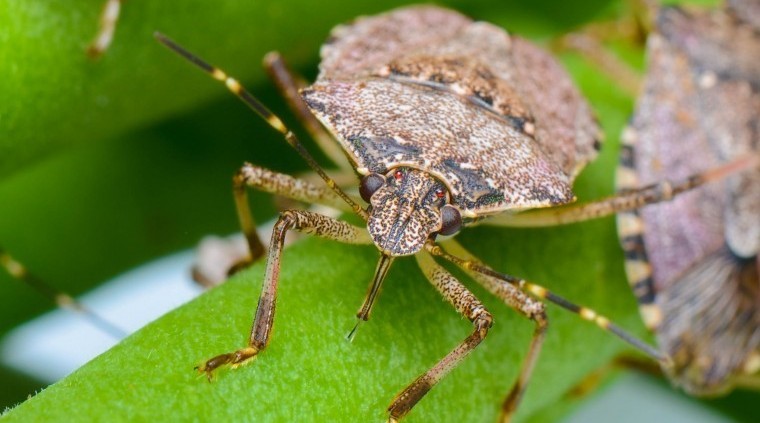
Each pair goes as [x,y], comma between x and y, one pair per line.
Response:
[625,201]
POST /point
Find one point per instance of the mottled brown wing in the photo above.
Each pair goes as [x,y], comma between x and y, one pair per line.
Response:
[697,292]
[529,103]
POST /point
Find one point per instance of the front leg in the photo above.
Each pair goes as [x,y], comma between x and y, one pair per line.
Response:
[276,183]
[303,221]
[523,304]
[468,306]
[217,258]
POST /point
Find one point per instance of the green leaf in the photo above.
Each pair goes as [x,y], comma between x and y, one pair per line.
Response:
[310,370]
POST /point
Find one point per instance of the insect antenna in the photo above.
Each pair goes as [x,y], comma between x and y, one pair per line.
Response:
[543,293]
[273,121]
[19,272]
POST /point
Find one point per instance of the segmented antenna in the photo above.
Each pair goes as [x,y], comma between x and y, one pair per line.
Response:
[62,299]
[275,122]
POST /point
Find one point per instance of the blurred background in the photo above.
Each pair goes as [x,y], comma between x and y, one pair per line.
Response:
[107,164]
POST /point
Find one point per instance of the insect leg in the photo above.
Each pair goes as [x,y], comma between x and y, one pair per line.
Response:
[593,51]
[108,20]
[298,189]
[276,183]
[217,259]
[624,201]
[289,84]
[543,293]
[62,299]
[523,304]
[588,41]
[299,220]
[596,378]
[467,305]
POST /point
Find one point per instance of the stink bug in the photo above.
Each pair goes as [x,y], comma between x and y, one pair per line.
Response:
[448,123]
[693,263]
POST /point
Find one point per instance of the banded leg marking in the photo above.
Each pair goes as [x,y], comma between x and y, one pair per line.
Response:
[467,305]
[523,304]
[543,293]
[299,220]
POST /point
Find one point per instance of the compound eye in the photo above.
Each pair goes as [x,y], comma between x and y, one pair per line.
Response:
[369,184]
[451,220]
[398,175]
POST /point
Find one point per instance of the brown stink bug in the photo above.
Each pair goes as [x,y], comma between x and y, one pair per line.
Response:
[693,263]
[448,122]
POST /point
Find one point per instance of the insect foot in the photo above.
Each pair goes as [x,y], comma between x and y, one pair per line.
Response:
[235,359]
[483,321]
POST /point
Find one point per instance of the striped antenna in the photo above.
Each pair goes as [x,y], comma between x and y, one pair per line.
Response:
[19,272]
[234,86]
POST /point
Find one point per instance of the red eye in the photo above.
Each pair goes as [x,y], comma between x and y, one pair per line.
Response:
[439,193]
[398,175]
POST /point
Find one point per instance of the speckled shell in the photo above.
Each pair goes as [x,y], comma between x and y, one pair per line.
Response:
[493,117]
[693,261]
